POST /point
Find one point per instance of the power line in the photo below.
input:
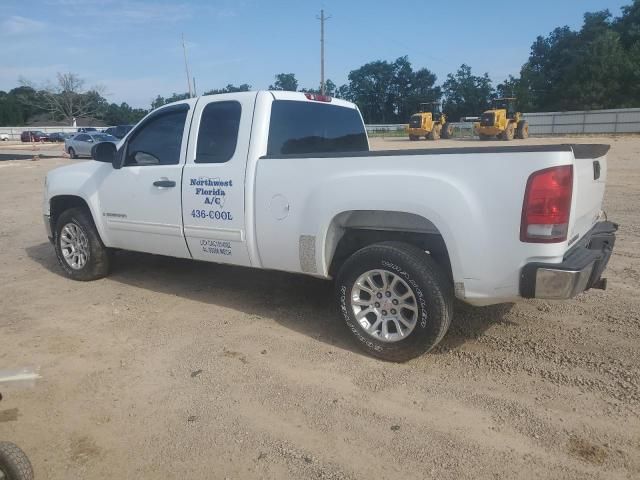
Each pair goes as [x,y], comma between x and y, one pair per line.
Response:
[322,19]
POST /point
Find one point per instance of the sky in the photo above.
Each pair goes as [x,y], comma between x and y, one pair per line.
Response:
[133,48]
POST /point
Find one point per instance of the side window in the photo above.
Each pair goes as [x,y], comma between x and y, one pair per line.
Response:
[158,142]
[218,134]
[82,137]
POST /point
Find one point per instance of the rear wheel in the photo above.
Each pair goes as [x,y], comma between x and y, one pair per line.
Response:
[485,137]
[413,138]
[447,130]
[523,129]
[72,153]
[79,249]
[395,300]
[14,464]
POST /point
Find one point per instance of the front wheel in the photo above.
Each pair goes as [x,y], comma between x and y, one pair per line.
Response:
[523,130]
[509,132]
[434,134]
[395,300]
[79,249]
[447,131]
[72,153]
[14,464]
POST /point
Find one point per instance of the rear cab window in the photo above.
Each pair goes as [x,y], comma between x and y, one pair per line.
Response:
[299,127]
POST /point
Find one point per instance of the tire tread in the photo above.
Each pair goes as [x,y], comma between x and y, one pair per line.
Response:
[15,462]
[429,273]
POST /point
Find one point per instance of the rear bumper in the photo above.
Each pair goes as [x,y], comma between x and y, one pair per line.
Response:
[580,270]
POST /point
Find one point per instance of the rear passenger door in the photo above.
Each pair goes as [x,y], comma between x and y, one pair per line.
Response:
[214,176]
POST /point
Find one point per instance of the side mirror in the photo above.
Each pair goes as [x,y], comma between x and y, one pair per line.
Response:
[106,152]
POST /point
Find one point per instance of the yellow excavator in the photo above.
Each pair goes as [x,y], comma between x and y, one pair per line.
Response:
[502,121]
[429,122]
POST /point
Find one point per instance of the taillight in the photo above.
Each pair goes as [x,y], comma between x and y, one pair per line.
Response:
[547,204]
[317,97]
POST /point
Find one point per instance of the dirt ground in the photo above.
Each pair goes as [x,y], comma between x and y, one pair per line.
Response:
[177,369]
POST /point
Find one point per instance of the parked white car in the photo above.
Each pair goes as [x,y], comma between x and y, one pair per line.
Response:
[80,144]
[286,181]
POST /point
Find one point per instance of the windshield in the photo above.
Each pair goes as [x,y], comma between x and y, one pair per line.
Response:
[104,137]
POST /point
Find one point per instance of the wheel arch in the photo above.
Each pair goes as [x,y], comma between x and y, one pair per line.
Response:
[61,203]
[349,231]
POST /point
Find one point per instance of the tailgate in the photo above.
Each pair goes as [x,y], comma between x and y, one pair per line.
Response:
[590,179]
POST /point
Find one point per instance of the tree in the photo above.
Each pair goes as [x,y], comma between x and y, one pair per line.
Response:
[123,114]
[285,81]
[389,91]
[160,100]
[67,98]
[597,66]
[230,88]
[329,89]
[628,25]
[466,94]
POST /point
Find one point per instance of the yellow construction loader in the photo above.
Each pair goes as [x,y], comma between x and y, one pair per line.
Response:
[502,121]
[429,122]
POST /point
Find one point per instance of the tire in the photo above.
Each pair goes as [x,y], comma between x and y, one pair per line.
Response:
[72,153]
[417,276]
[413,138]
[508,133]
[485,137]
[447,130]
[523,130]
[434,134]
[79,249]
[14,463]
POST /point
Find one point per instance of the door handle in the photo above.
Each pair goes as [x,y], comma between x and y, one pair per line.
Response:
[164,183]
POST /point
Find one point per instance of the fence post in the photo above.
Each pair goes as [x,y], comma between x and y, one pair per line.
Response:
[615,125]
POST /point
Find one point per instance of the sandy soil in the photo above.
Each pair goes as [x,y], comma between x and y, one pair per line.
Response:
[177,369]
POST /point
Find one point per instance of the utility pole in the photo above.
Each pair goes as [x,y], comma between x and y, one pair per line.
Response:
[186,67]
[322,19]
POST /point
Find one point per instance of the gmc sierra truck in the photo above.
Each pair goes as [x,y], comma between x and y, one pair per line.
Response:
[286,181]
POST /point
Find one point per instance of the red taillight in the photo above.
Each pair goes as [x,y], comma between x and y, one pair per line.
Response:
[317,97]
[547,204]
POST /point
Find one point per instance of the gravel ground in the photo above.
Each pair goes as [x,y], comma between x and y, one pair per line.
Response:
[177,369]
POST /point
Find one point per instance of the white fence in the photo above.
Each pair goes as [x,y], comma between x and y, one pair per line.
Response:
[623,120]
[460,129]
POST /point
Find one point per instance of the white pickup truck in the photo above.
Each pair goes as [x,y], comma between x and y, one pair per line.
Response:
[286,181]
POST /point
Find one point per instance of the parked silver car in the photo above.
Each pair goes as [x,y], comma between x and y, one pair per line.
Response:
[80,145]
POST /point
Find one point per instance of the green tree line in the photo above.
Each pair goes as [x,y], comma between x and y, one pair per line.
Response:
[595,67]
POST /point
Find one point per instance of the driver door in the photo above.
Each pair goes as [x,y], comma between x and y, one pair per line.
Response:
[140,203]
[83,144]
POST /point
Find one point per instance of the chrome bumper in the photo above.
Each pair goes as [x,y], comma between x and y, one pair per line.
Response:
[580,270]
[558,284]
[47,226]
